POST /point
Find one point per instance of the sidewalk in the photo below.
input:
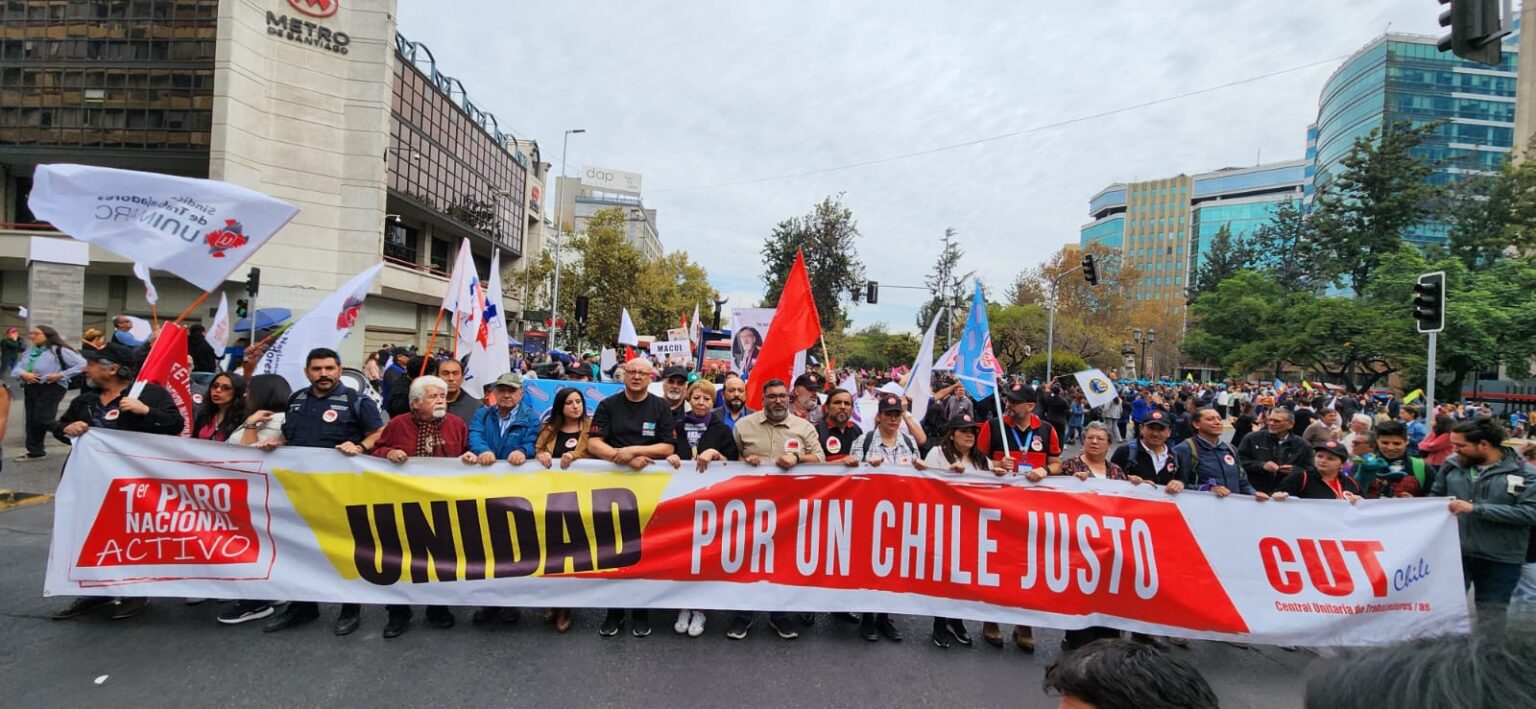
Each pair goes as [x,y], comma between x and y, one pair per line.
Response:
[32,476]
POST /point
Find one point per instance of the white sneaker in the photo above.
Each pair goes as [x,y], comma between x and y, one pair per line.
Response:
[681,626]
[696,624]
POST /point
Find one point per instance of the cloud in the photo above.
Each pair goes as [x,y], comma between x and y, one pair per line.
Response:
[694,95]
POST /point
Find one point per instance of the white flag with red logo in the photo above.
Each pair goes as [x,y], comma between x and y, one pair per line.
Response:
[464,301]
[218,333]
[324,326]
[166,367]
[488,348]
[201,230]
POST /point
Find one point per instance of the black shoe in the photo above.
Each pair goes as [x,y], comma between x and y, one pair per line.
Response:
[81,606]
[348,621]
[887,628]
[783,628]
[397,624]
[640,623]
[808,619]
[940,635]
[612,623]
[510,615]
[440,617]
[867,628]
[957,631]
[847,617]
[129,607]
[244,611]
[483,615]
[739,627]
[290,618]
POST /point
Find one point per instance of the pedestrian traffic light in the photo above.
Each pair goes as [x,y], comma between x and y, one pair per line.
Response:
[582,303]
[1091,270]
[1476,30]
[872,292]
[1429,302]
[252,281]
[241,308]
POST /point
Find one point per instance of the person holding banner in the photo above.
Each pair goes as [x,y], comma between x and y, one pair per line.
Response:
[326,414]
[44,371]
[222,412]
[957,454]
[1328,483]
[426,431]
[886,444]
[702,437]
[837,430]
[563,434]
[634,429]
[506,431]
[108,406]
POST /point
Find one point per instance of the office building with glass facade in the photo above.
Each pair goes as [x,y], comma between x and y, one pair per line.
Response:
[321,104]
[1403,77]
[1161,227]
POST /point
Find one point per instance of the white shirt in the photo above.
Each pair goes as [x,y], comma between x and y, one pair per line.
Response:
[1159,460]
[271,429]
[935,459]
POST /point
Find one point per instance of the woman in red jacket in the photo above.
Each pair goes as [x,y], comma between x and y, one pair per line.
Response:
[1436,447]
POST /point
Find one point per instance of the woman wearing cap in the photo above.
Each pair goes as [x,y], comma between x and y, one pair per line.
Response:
[886,444]
[1328,484]
[565,434]
[957,454]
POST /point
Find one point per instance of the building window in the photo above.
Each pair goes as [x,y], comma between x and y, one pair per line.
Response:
[401,242]
[439,254]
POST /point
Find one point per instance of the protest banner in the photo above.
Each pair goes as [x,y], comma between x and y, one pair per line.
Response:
[750,328]
[164,516]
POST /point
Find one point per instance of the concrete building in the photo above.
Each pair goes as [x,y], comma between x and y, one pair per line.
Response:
[1163,226]
[580,201]
[1405,77]
[317,102]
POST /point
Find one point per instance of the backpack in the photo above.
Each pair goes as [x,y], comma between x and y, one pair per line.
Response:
[869,440]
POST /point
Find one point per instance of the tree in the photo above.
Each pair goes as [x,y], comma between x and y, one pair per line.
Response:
[670,287]
[532,283]
[1017,331]
[947,288]
[873,347]
[603,266]
[1283,247]
[1090,319]
[1361,213]
[1062,365]
[827,235]
[1490,214]
[1234,321]
[1225,258]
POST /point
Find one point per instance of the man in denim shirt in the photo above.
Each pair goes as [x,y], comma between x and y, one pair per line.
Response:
[1213,460]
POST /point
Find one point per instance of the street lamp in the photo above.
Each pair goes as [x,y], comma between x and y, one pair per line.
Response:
[554,305]
[720,300]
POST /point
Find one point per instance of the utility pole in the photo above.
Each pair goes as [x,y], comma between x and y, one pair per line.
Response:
[554,299]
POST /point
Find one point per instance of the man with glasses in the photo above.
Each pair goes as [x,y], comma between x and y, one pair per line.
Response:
[634,429]
[1268,456]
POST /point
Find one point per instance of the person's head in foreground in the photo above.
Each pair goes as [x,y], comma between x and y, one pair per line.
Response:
[1477,671]
[1124,674]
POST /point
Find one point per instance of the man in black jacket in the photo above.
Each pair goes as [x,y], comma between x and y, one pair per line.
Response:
[109,406]
[1270,455]
[1149,457]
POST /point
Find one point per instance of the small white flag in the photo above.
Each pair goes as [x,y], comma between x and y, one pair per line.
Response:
[627,334]
[151,295]
[947,361]
[1096,386]
[323,326]
[695,329]
[22,311]
[920,382]
[218,333]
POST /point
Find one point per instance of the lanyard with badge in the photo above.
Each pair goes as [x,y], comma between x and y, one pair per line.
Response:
[1029,439]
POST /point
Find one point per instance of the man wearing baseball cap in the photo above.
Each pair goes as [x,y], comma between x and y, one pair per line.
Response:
[1328,482]
[805,398]
[674,384]
[1149,457]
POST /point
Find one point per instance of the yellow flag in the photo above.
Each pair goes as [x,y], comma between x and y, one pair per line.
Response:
[1306,385]
[1189,377]
[1413,395]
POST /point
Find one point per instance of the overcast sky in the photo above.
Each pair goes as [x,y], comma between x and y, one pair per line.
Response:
[705,100]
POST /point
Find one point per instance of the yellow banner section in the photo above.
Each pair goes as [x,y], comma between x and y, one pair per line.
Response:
[389,527]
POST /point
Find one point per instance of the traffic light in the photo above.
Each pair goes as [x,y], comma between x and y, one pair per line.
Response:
[1091,270]
[252,281]
[872,292]
[582,303]
[1429,302]
[242,308]
[1476,30]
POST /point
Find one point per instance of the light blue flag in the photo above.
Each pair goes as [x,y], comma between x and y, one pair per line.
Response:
[977,368]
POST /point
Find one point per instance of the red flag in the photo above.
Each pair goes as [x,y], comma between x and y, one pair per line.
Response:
[795,328]
[166,367]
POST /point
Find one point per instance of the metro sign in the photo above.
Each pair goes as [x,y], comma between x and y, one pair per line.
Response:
[316,8]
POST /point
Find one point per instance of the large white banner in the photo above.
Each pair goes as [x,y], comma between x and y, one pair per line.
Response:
[165,516]
[201,230]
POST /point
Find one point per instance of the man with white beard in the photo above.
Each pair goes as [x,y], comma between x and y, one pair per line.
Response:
[674,384]
[426,431]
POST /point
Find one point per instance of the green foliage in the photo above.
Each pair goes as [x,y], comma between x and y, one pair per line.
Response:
[1491,214]
[828,237]
[1017,330]
[1226,257]
[1062,365]
[873,347]
[671,286]
[947,287]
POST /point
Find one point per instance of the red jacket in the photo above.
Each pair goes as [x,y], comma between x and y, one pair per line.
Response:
[400,433]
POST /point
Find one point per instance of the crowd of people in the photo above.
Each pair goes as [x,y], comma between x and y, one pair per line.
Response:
[1283,443]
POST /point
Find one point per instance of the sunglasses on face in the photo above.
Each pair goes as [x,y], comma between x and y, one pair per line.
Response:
[220,387]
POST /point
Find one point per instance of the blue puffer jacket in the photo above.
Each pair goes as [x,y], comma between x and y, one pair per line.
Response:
[485,432]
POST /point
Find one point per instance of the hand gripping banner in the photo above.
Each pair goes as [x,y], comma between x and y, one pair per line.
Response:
[165,516]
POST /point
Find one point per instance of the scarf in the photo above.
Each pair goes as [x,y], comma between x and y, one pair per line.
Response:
[694,427]
[429,438]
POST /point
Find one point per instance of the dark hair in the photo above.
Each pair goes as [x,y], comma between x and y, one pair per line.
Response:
[1125,674]
[197,330]
[835,392]
[952,454]
[557,412]
[267,392]
[1477,670]
[1392,428]
[1482,429]
[1201,411]
[321,353]
[413,368]
[234,413]
[1442,423]
[437,365]
[771,383]
[51,339]
[1411,410]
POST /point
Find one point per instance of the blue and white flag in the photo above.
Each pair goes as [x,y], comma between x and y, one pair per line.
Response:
[977,368]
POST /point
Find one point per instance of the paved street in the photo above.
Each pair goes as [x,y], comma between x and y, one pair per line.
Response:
[176,655]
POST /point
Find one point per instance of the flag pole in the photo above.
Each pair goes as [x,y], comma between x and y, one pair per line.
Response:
[432,341]
[154,315]
[194,305]
[997,398]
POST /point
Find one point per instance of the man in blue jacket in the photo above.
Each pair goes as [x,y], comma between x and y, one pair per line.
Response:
[1214,461]
[508,430]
